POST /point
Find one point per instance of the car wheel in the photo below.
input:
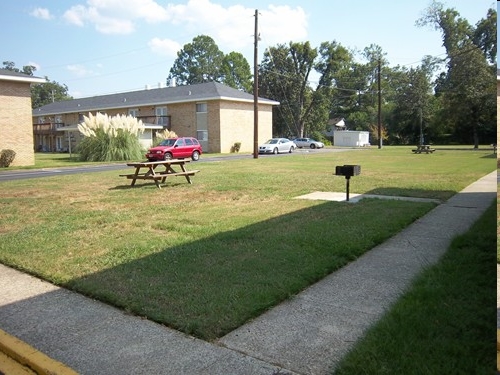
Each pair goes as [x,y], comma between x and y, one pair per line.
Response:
[167,156]
[291,150]
[195,156]
[275,151]
[313,145]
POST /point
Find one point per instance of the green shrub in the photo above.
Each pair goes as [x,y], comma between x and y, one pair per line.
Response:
[110,138]
[6,158]
[236,147]
[320,137]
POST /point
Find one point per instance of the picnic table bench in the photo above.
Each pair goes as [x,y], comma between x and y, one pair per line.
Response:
[151,172]
[423,149]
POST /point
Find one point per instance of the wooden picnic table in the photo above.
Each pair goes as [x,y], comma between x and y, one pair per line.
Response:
[152,173]
[423,149]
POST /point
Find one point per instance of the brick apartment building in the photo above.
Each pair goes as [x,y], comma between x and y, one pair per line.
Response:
[16,129]
[217,115]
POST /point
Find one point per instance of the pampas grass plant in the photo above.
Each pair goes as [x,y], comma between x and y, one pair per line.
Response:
[110,138]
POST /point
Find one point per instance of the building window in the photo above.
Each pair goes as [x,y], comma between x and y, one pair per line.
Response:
[201,107]
[161,115]
[202,135]
[59,144]
[133,112]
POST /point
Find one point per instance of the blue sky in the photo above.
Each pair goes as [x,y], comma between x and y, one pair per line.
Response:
[100,47]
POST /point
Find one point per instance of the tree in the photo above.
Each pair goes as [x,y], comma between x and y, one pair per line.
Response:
[43,93]
[412,102]
[48,92]
[197,62]
[27,69]
[285,76]
[467,90]
[356,94]
[235,72]
[333,63]
[202,61]
[485,36]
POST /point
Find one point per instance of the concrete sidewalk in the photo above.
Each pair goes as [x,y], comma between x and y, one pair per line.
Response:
[307,335]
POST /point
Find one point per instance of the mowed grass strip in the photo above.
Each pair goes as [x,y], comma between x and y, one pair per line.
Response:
[207,257]
[445,323]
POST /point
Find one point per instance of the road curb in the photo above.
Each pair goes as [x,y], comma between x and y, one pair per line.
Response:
[30,357]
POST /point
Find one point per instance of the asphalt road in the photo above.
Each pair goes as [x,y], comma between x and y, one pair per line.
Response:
[19,174]
[48,172]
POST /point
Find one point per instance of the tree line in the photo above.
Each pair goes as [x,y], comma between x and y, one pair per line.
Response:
[444,100]
[314,84]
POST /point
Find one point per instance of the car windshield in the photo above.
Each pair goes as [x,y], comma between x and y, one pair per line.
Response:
[272,142]
[167,142]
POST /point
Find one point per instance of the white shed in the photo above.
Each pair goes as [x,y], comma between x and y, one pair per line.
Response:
[351,138]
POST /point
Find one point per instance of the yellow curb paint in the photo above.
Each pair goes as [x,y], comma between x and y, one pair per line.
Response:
[11,367]
[28,356]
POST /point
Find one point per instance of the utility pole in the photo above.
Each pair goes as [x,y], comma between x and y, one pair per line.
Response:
[255,91]
[379,108]
[421,128]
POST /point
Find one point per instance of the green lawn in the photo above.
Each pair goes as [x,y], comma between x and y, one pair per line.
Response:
[207,257]
[444,323]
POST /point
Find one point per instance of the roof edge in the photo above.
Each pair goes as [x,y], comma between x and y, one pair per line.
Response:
[225,98]
[28,79]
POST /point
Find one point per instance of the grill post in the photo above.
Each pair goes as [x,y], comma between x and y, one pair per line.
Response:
[347,171]
[347,180]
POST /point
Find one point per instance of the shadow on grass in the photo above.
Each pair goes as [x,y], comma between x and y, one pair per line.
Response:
[141,184]
[208,287]
[491,156]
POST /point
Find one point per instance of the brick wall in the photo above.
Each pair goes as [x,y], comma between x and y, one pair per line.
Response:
[228,122]
[237,121]
[16,129]
[183,118]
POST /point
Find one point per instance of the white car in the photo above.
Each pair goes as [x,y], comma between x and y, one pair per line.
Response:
[277,145]
[308,142]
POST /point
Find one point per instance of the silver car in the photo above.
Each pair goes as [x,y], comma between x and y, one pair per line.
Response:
[308,142]
[277,145]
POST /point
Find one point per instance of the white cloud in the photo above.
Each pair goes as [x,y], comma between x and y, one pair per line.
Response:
[165,47]
[41,13]
[231,27]
[79,70]
[115,16]
[79,15]
[76,15]
[282,24]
